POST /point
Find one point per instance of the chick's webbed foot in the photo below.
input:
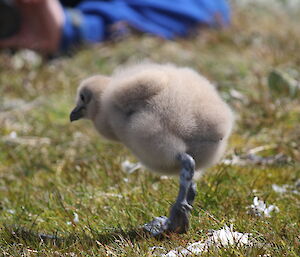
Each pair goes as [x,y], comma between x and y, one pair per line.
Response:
[157,227]
[178,221]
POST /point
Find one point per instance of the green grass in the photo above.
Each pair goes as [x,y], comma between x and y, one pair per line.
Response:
[43,183]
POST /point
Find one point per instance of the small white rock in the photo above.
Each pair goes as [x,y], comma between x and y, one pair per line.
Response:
[284,189]
[75,220]
[76,217]
[218,238]
[130,167]
[13,135]
[279,189]
[259,208]
[11,211]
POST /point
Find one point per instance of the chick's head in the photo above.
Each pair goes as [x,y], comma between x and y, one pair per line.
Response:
[88,99]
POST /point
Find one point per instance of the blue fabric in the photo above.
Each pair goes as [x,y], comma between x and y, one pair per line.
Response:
[165,18]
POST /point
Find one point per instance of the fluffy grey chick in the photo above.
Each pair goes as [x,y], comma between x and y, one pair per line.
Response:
[171,118]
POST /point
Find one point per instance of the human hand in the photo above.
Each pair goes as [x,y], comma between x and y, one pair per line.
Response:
[41,26]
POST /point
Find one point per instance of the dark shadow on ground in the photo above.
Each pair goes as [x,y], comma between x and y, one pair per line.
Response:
[34,239]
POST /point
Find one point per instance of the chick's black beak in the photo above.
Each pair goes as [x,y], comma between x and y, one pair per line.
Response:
[77,113]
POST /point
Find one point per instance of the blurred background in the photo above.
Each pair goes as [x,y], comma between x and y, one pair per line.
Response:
[51,170]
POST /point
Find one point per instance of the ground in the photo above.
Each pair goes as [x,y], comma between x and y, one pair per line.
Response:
[62,180]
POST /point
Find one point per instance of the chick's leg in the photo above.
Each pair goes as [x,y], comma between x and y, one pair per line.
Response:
[192,193]
[179,215]
[178,220]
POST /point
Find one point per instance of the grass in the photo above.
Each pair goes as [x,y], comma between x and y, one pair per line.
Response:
[56,169]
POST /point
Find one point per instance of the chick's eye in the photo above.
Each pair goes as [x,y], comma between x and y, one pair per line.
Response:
[82,97]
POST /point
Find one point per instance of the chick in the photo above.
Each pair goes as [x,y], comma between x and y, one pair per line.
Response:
[171,118]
